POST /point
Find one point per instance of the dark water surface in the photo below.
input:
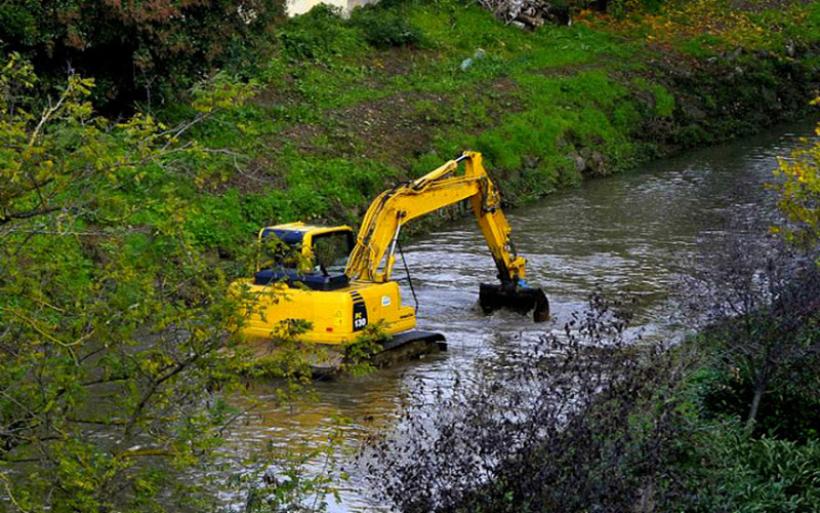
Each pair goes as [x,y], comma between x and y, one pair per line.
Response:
[638,233]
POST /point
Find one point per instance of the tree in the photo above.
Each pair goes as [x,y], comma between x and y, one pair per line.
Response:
[113,321]
[133,47]
[585,421]
[762,305]
[799,193]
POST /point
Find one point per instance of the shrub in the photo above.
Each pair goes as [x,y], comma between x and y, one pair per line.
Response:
[134,50]
[384,28]
[728,472]
[584,422]
[317,35]
[761,304]
[799,193]
[113,321]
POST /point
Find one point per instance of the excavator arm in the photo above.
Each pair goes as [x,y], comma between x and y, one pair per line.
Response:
[373,256]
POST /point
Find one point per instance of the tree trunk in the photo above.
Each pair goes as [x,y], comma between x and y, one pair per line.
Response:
[760,388]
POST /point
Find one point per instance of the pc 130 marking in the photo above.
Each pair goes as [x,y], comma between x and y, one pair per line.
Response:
[359,311]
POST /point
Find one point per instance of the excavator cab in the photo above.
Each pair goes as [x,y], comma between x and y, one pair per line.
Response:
[313,256]
[301,275]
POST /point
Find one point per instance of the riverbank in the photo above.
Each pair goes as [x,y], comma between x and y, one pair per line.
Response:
[347,107]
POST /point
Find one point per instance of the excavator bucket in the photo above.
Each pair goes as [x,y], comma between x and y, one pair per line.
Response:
[519,299]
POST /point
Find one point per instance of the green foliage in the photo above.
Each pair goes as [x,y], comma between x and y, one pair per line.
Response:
[738,453]
[702,46]
[319,34]
[734,473]
[384,28]
[160,46]
[790,410]
[617,8]
[340,119]
[19,21]
[285,360]
[569,114]
[358,355]
[114,323]
[798,187]
[664,101]
[653,5]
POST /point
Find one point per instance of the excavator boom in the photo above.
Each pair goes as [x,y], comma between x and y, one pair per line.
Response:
[373,256]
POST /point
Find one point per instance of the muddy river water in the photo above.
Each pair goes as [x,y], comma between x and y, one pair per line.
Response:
[637,232]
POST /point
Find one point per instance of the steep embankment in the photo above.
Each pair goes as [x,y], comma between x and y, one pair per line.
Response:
[347,107]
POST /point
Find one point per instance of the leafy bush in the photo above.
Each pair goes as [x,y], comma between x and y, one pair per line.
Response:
[113,321]
[789,411]
[134,50]
[583,422]
[318,34]
[799,193]
[753,445]
[760,301]
[359,354]
[727,472]
[383,28]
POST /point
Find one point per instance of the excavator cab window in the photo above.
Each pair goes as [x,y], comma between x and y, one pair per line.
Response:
[281,251]
[331,250]
[285,258]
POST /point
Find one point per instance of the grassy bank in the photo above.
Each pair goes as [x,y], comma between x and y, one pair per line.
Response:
[347,107]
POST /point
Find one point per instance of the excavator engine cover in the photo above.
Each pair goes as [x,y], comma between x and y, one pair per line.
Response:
[519,299]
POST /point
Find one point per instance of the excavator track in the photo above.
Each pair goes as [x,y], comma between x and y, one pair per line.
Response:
[410,345]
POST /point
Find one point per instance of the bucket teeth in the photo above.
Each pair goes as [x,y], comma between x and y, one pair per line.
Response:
[518,299]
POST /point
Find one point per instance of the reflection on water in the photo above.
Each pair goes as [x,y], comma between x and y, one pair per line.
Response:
[296,7]
[636,233]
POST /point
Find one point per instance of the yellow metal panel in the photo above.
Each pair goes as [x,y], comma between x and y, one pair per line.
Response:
[330,313]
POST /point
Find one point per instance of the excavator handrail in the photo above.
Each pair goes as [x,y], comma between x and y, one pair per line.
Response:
[376,240]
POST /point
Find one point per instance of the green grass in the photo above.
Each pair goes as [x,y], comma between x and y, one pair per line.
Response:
[530,101]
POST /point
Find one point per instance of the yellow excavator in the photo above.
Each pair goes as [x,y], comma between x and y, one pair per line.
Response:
[337,285]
